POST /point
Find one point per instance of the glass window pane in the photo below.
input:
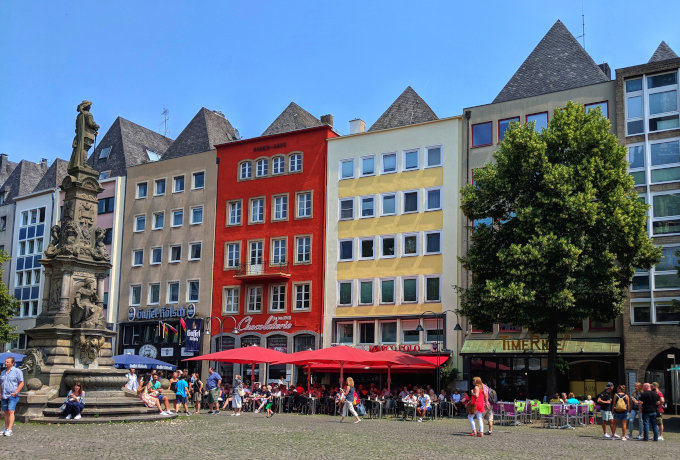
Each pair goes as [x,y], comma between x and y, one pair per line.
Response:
[411,160]
[345,333]
[504,125]
[635,107]
[641,314]
[410,291]
[367,207]
[432,289]
[387,290]
[367,333]
[389,332]
[434,199]
[665,227]
[666,79]
[602,106]
[389,162]
[669,259]
[638,177]
[346,249]
[636,127]
[345,293]
[661,123]
[432,242]
[434,156]
[541,120]
[667,312]
[366,292]
[388,246]
[640,283]
[666,205]
[665,175]
[634,85]
[636,156]
[665,152]
[667,281]
[347,169]
[389,204]
[411,202]
[367,249]
[410,244]
[368,166]
[481,134]
[666,101]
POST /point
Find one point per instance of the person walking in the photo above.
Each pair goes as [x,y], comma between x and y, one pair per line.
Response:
[491,398]
[659,411]
[11,381]
[237,394]
[181,389]
[479,402]
[635,411]
[604,399]
[650,404]
[348,405]
[213,386]
[75,402]
[621,406]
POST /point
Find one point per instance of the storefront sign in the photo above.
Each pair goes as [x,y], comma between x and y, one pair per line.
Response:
[188,311]
[149,351]
[273,323]
[184,352]
[533,343]
[166,351]
[264,148]
[413,348]
[193,338]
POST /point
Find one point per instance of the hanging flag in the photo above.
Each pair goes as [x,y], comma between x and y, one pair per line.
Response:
[165,330]
[183,323]
[174,331]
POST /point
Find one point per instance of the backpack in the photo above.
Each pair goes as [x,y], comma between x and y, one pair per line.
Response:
[620,404]
[493,397]
[356,399]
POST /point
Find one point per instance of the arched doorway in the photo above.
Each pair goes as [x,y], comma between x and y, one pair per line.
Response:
[278,342]
[657,371]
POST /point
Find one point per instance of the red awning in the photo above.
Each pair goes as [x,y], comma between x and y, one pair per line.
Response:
[243,355]
[433,359]
[335,368]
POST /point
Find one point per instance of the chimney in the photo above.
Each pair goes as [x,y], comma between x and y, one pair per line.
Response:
[357,126]
[327,120]
[606,69]
[43,163]
[3,161]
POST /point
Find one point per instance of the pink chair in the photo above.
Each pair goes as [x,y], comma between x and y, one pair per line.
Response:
[510,413]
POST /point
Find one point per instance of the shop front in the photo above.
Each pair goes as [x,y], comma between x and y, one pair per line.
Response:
[170,334]
[517,367]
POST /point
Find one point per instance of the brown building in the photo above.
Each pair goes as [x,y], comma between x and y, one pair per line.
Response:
[649,125]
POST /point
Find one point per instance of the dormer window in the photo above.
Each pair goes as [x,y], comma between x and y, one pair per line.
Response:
[104,154]
[153,156]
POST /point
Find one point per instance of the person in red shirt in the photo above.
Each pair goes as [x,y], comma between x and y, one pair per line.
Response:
[300,390]
[659,412]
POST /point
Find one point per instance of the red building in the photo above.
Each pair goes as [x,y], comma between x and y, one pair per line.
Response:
[269,240]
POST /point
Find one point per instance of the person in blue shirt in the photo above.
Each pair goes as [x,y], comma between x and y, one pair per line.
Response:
[212,384]
[11,381]
[181,388]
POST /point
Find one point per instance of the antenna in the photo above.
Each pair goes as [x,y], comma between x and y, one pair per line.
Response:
[165,114]
[583,26]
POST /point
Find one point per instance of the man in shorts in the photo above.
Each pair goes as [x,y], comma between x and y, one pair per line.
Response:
[11,381]
[604,399]
[181,390]
[212,384]
[156,386]
[659,412]
[488,413]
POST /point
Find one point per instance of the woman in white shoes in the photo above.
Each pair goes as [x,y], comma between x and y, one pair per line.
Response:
[349,400]
[75,402]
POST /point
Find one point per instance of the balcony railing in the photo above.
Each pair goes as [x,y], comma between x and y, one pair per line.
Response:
[265,270]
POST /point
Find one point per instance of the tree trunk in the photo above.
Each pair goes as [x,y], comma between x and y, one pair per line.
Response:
[551,384]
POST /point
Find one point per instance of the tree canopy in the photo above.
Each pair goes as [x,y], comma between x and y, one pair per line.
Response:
[566,231]
[9,307]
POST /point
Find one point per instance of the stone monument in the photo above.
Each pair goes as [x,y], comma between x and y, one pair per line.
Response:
[70,341]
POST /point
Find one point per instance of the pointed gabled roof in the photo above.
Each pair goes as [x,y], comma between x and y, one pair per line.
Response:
[408,109]
[292,118]
[6,167]
[128,145]
[23,179]
[207,129]
[662,53]
[557,63]
[53,176]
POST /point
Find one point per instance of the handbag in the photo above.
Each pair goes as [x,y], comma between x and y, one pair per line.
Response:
[62,407]
[241,393]
[470,407]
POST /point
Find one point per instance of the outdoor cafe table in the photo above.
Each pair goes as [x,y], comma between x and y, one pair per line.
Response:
[436,407]
[370,404]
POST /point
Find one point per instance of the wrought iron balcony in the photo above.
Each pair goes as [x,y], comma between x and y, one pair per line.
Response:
[261,272]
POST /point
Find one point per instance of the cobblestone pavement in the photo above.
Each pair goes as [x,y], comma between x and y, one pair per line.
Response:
[292,436]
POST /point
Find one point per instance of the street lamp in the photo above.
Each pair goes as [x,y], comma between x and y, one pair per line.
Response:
[439,332]
[220,320]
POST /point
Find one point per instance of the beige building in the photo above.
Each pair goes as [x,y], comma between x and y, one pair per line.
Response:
[167,254]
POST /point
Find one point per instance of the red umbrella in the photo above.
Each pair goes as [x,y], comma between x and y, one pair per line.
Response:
[401,359]
[244,355]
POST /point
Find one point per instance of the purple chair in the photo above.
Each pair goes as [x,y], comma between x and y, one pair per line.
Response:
[497,413]
[510,413]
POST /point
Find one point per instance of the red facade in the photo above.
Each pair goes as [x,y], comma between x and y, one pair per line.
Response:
[269,240]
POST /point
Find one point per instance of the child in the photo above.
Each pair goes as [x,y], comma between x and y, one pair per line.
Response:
[268,400]
[181,389]
[591,404]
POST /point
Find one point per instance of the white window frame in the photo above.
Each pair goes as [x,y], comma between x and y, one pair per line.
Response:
[340,208]
[168,298]
[151,261]
[396,238]
[132,290]
[402,291]
[170,259]
[361,206]
[274,255]
[198,291]
[403,201]
[283,160]
[409,325]
[365,280]
[661,300]
[643,168]
[154,220]
[251,211]
[340,172]
[382,163]
[345,240]
[382,204]
[250,289]
[403,244]
[661,89]
[262,161]
[648,303]
[155,187]
[137,220]
[248,166]
[426,199]
[361,166]
[433,232]
[295,156]
[396,335]
[237,295]
[360,255]
[134,253]
[138,187]
[439,298]
[227,245]
[172,215]
[193,180]
[296,286]
[648,160]
[174,183]
[339,325]
[441,156]
[351,293]
[148,300]
[272,289]
[191,245]
[230,206]
[300,201]
[298,238]
[191,214]
[395,291]
[403,160]
[654,219]
[284,208]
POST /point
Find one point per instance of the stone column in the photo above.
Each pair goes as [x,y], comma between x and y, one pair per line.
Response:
[100,289]
[63,317]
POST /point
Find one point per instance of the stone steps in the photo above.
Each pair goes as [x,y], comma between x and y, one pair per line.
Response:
[104,412]
[152,417]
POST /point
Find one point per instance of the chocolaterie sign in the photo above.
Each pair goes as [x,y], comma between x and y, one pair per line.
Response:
[273,323]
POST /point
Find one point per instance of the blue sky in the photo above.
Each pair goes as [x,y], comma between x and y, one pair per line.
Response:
[250,59]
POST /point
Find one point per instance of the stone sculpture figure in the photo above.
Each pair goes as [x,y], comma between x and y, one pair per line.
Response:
[86,132]
[86,312]
[100,252]
[53,248]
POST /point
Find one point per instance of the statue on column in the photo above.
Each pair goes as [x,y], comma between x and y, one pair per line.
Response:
[86,132]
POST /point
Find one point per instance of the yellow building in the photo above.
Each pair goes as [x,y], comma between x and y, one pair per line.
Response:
[392,231]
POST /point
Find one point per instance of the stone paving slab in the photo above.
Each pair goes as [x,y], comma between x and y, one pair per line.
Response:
[292,436]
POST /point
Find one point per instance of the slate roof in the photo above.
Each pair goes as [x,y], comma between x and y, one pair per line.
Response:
[23,179]
[292,118]
[408,109]
[54,175]
[6,167]
[558,63]
[129,143]
[207,129]
[662,53]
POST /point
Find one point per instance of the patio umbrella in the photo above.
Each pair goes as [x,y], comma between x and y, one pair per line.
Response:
[400,359]
[141,362]
[18,357]
[244,355]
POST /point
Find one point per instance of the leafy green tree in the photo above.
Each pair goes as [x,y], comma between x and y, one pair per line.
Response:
[9,306]
[567,229]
